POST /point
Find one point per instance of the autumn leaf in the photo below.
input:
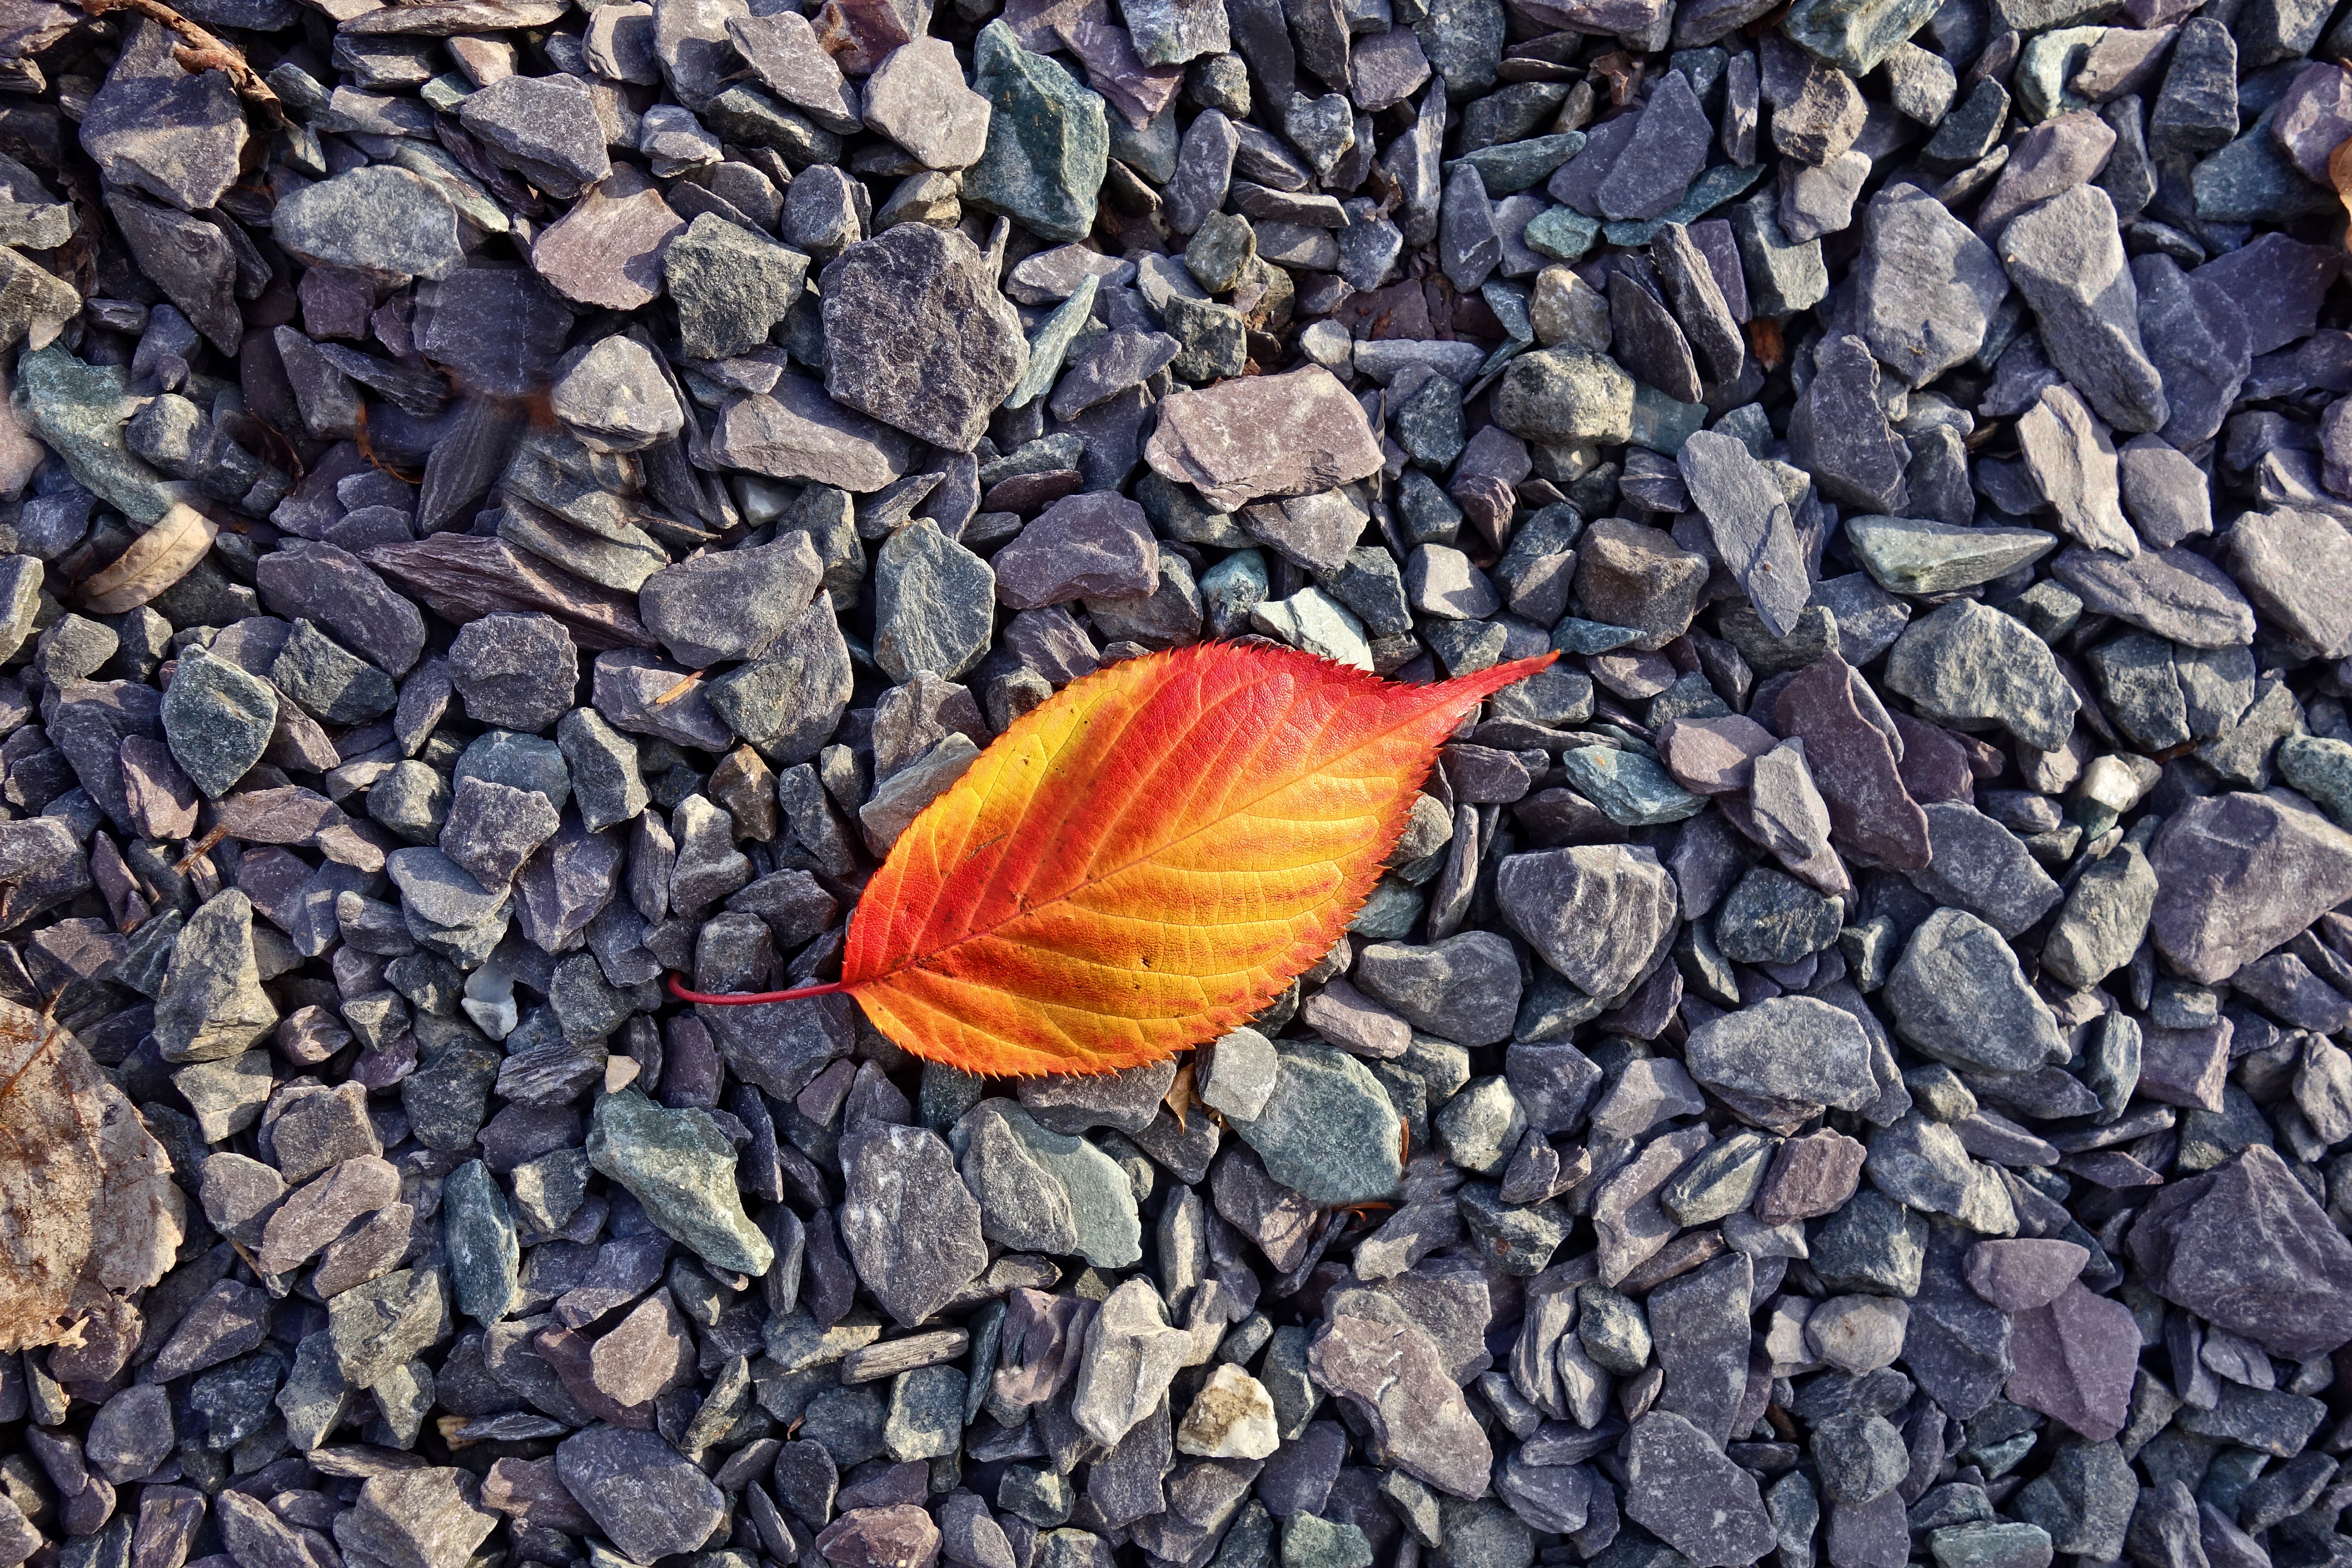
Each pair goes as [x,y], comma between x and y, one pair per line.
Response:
[88,1208]
[1145,861]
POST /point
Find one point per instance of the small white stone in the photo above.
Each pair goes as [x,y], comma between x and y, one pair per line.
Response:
[1232,1418]
[1237,1074]
[1858,1334]
[1327,343]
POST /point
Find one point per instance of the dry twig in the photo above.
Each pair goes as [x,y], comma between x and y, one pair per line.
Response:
[204,52]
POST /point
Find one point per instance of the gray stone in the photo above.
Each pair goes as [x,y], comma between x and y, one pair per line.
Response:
[1328,1129]
[911,1228]
[1960,996]
[2067,259]
[682,1169]
[1785,1047]
[732,288]
[218,721]
[1967,664]
[917,285]
[1680,1488]
[1597,914]
[649,1500]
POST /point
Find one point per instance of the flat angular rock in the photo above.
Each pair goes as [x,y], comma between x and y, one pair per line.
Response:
[1929,286]
[1328,1129]
[1838,433]
[2297,572]
[2075,1361]
[1295,433]
[548,125]
[2019,1276]
[378,220]
[1967,665]
[648,1500]
[1750,523]
[1680,1488]
[2071,459]
[2237,874]
[2067,259]
[1978,866]
[153,126]
[426,1517]
[732,606]
[682,1168]
[1095,546]
[514,672]
[1596,915]
[1853,765]
[1787,1047]
[917,97]
[1392,1373]
[1131,1356]
[922,290]
[910,1227]
[732,286]
[217,720]
[1958,995]
[794,431]
[212,1004]
[1049,139]
[1666,151]
[2176,593]
[607,250]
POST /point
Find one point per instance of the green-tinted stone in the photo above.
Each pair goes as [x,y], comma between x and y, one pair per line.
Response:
[2049,61]
[1519,1239]
[2321,769]
[1630,789]
[682,1169]
[1249,1544]
[1049,139]
[1708,192]
[1855,34]
[1782,278]
[212,1004]
[1328,1131]
[1722,1180]
[2003,1545]
[1293,1390]
[1561,233]
[1311,1542]
[1574,636]
[217,720]
[1916,555]
[1050,344]
[478,1231]
[926,1420]
[1663,423]
[2251,181]
[1515,165]
[1214,339]
[80,410]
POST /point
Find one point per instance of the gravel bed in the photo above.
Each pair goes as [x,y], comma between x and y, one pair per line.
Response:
[510,501]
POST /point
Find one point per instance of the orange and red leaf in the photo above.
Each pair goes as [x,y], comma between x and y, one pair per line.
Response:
[1145,861]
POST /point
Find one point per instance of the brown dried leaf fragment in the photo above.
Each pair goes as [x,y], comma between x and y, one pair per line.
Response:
[2340,175]
[156,559]
[1180,1098]
[88,1208]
